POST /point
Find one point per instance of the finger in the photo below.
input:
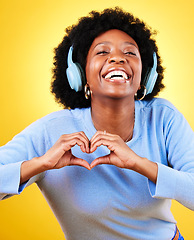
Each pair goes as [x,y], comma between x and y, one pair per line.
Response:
[70,140]
[99,133]
[79,162]
[86,141]
[80,142]
[105,141]
[101,160]
[73,162]
[72,135]
[81,133]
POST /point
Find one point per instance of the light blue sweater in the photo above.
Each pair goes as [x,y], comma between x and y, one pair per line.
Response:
[109,203]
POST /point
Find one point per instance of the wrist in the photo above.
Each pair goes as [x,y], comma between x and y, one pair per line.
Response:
[146,168]
[138,163]
[31,168]
[42,163]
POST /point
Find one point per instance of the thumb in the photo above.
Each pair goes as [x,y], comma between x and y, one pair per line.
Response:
[101,160]
[79,162]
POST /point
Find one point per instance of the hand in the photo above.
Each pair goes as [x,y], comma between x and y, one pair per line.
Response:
[121,155]
[60,154]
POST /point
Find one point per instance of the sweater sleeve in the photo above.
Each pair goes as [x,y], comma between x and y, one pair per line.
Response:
[176,181]
[26,145]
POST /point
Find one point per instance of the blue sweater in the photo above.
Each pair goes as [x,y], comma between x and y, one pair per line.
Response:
[108,202]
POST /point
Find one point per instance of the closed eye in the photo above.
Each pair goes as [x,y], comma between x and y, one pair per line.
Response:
[102,52]
[130,53]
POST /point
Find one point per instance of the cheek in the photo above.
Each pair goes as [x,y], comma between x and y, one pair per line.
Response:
[88,73]
[92,73]
[137,75]
[139,71]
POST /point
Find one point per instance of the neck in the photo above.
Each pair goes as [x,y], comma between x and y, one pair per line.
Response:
[115,117]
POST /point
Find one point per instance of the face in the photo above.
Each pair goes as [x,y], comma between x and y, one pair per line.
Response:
[113,67]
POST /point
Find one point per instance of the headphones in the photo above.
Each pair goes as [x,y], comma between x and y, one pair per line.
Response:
[76,77]
[151,76]
[74,72]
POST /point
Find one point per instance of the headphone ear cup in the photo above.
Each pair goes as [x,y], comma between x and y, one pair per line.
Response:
[151,80]
[74,72]
[74,77]
[151,76]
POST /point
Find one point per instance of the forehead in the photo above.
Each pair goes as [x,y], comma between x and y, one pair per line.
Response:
[113,36]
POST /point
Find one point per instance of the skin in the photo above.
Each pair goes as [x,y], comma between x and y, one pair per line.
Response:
[114,100]
[111,98]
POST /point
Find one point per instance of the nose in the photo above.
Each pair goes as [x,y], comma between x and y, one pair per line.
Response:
[117,58]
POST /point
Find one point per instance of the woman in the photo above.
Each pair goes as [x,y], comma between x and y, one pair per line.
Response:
[135,151]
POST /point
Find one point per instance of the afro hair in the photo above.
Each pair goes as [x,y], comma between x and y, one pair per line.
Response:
[81,37]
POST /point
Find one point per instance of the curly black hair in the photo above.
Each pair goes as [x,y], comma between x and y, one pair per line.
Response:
[81,37]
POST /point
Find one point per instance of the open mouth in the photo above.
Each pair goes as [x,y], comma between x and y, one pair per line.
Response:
[116,76]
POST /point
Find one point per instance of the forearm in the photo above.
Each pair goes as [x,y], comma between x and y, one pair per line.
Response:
[174,184]
[31,168]
[58,156]
[146,168]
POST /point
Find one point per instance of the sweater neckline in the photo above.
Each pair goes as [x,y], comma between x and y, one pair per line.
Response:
[139,119]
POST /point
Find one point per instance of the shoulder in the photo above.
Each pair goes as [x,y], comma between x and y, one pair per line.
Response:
[66,114]
[159,103]
[159,111]
[58,118]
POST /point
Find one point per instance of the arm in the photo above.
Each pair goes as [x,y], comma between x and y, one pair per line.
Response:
[28,154]
[58,156]
[176,181]
[12,155]
[122,156]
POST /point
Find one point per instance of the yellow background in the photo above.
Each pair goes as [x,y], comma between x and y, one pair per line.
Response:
[29,30]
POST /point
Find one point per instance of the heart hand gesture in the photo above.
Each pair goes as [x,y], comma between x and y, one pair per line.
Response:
[60,155]
[120,154]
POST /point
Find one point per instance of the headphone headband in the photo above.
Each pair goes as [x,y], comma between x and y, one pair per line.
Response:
[70,56]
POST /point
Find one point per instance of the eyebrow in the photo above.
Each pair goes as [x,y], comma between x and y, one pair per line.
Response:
[107,42]
[130,43]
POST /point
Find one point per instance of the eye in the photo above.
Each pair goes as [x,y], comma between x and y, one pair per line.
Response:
[102,52]
[130,53]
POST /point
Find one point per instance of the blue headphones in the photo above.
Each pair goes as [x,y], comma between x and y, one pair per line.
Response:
[151,76]
[76,77]
[75,74]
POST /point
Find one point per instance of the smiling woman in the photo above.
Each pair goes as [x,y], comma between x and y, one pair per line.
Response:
[113,66]
[137,31]
[110,164]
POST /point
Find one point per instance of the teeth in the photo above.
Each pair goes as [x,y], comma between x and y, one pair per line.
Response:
[116,75]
